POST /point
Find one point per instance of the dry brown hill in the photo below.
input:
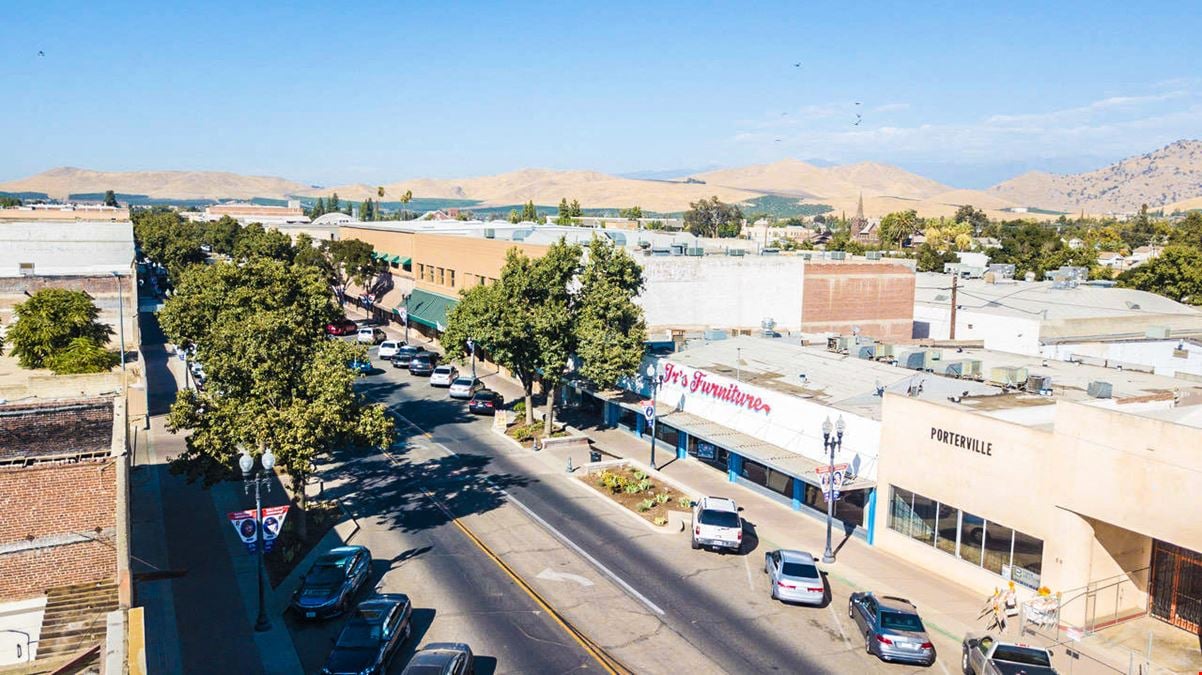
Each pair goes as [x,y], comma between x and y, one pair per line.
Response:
[63,181]
[1170,174]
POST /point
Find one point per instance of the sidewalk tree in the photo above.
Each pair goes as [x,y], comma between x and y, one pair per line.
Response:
[60,327]
[1176,273]
[222,235]
[610,329]
[554,305]
[529,212]
[110,198]
[256,241]
[899,226]
[273,380]
[168,239]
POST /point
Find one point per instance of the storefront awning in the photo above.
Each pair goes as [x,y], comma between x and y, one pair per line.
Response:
[430,309]
[772,456]
[402,260]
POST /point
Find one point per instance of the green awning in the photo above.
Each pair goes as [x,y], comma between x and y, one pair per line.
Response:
[404,261]
[430,309]
[395,259]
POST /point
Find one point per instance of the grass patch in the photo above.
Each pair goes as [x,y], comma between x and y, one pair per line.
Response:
[636,491]
[290,549]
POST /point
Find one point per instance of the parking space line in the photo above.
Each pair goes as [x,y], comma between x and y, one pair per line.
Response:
[835,618]
[747,567]
[557,534]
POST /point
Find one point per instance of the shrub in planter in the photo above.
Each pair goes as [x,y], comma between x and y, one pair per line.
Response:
[645,505]
[684,502]
[519,408]
[639,475]
[645,485]
[632,489]
[661,521]
[662,498]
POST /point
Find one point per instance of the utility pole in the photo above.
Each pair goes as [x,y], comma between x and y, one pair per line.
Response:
[952,331]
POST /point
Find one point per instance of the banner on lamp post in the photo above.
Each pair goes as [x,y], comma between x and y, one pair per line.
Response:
[246,527]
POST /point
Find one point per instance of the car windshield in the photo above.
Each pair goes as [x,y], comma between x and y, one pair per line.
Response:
[325,574]
[719,518]
[443,370]
[899,621]
[360,634]
[485,396]
[800,570]
[463,382]
[1024,655]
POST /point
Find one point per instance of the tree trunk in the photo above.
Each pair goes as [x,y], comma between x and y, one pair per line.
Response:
[549,415]
[302,515]
[529,403]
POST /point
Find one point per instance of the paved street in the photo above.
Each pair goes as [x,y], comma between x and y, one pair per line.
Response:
[679,606]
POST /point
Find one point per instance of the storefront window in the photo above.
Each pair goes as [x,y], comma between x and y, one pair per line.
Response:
[708,453]
[998,539]
[666,434]
[901,508]
[628,418]
[922,525]
[947,525]
[997,548]
[972,535]
[755,472]
[780,483]
[850,507]
[1028,560]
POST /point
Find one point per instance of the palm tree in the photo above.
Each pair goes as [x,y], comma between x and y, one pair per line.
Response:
[406,198]
[380,194]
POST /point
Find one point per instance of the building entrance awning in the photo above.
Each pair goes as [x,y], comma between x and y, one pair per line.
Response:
[430,309]
[749,447]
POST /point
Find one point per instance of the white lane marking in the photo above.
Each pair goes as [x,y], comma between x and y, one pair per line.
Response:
[942,667]
[835,618]
[551,575]
[747,567]
[554,532]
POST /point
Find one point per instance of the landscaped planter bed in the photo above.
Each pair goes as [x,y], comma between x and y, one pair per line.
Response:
[639,493]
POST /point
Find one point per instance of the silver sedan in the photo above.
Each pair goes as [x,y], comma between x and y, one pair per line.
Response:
[794,577]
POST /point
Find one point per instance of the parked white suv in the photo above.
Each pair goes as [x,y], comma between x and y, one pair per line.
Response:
[370,336]
[389,348]
[717,524]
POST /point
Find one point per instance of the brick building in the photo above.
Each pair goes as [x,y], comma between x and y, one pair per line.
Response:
[64,551]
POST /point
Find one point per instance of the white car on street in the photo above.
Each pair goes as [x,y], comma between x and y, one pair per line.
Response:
[717,524]
[443,376]
[370,336]
[389,348]
[794,577]
[464,387]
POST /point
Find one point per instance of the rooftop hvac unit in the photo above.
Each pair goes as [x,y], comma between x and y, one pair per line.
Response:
[971,369]
[1038,384]
[807,256]
[864,340]
[1008,376]
[696,252]
[714,334]
[873,255]
[736,252]
[770,251]
[677,249]
[919,359]
[839,344]
[1099,389]
[767,323]
[884,351]
[838,255]
[954,369]
[1157,332]
[490,233]
[867,352]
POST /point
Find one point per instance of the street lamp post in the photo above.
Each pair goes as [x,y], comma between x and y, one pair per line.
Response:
[260,478]
[831,445]
[656,380]
[407,317]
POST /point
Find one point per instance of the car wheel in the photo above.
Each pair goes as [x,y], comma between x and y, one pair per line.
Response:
[867,643]
[964,663]
[774,594]
[694,544]
[850,612]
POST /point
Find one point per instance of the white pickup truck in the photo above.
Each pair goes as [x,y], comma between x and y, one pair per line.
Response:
[717,524]
[983,655]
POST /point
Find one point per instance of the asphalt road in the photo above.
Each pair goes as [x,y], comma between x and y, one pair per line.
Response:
[717,604]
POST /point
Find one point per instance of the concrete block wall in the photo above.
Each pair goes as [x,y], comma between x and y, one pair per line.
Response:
[878,298]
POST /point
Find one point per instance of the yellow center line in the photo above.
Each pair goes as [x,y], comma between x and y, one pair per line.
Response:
[607,662]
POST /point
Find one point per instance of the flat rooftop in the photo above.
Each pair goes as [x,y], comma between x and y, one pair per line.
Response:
[1043,300]
[851,384]
[66,248]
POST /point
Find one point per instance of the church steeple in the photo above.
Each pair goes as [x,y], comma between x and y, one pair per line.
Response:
[860,207]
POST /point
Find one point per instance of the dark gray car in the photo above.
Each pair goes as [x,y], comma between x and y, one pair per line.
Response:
[442,658]
[330,585]
[892,628]
[372,637]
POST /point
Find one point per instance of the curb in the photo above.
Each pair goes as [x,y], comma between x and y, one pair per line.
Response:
[577,480]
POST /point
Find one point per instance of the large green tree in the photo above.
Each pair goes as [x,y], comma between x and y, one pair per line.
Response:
[975,218]
[222,235]
[59,328]
[1176,273]
[168,239]
[272,378]
[110,199]
[713,218]
[610,328]
[899,226]
[256,241]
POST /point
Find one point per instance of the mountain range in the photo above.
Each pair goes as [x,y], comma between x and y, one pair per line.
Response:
[1168,178]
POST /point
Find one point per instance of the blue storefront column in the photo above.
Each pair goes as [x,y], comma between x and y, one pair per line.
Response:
[734,467]
[611,414]
[682,445]
[871,526]
[640,426]
[799,493]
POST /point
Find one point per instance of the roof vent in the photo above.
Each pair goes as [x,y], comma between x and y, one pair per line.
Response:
[1099,389]
[26,269]
[1132,305]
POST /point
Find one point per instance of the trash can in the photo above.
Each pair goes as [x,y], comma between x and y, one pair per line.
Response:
[594,456]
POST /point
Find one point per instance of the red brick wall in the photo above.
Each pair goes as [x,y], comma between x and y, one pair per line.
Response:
[877,297]
[50,499]
[31,573]
[49,428]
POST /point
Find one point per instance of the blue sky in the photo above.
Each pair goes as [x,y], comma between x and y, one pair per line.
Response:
[323,92]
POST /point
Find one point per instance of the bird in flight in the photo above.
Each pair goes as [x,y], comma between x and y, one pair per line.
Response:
[779,140]
[41,53]
[797,65]
[858,120]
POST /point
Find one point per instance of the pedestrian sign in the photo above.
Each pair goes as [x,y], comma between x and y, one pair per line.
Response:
[649,412]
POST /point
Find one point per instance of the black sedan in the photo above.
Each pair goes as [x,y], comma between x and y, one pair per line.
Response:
[486,402]
[423,363]
[405,354]
[331,584]
[442,658]
[372,636]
